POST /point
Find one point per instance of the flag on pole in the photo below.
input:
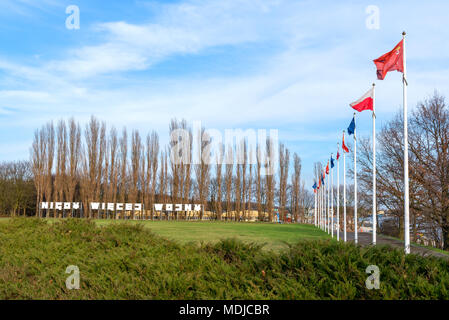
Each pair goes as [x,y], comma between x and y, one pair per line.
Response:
[338,193]
[365,102]
[327,168]
[344,147]
[391,61]
[332,162]
[351,128]
[314,187]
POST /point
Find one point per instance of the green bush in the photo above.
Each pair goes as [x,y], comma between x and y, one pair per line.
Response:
[126,261]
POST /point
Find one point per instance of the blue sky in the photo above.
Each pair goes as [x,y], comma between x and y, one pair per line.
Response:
[287,65]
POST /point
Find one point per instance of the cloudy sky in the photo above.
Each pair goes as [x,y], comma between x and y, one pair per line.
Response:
[287,65]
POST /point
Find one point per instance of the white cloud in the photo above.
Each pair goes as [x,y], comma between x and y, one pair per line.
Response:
[26,8]
[323,62]
[179,29]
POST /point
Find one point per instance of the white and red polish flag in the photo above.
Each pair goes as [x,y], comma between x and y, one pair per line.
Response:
[366,102]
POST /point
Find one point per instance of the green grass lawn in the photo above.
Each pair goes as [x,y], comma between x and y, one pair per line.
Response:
[272,236]
[126,260]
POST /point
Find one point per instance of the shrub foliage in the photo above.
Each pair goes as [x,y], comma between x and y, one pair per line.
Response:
[126,261]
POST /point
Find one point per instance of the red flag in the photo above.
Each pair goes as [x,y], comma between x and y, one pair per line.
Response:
[338,154]
[327,168]
[366,102]
[345,148]
[391,61]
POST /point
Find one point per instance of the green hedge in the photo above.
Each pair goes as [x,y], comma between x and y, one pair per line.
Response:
[127,261]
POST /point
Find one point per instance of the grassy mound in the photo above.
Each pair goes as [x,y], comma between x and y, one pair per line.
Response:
[127,261]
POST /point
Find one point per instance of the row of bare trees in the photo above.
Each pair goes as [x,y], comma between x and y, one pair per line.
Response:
[93,164]
[428,171]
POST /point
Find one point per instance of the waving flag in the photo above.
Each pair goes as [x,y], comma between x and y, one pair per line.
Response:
[314,187]
[327,168]
[338,154]
[345,148]
[365,102]
[351,128]
[391,61]
[332,162]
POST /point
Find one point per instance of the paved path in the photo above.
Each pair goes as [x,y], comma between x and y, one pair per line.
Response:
[366,238]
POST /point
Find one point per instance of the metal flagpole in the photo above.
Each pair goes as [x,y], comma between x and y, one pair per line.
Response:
[323,210]
[332,198]
[338,196]
[319,211]
[406,195]
[319,206]
[324,202]
[344,193]
[315,193]
[355,183]
[328,204]
[322,205]
[374,167]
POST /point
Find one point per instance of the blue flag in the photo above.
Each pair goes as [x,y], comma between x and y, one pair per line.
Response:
[314,185]
[322,181]
[332,162]
[351,128]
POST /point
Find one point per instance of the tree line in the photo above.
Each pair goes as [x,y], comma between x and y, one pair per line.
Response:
[17,193]
[71,163]
[428,174]
[428,171]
